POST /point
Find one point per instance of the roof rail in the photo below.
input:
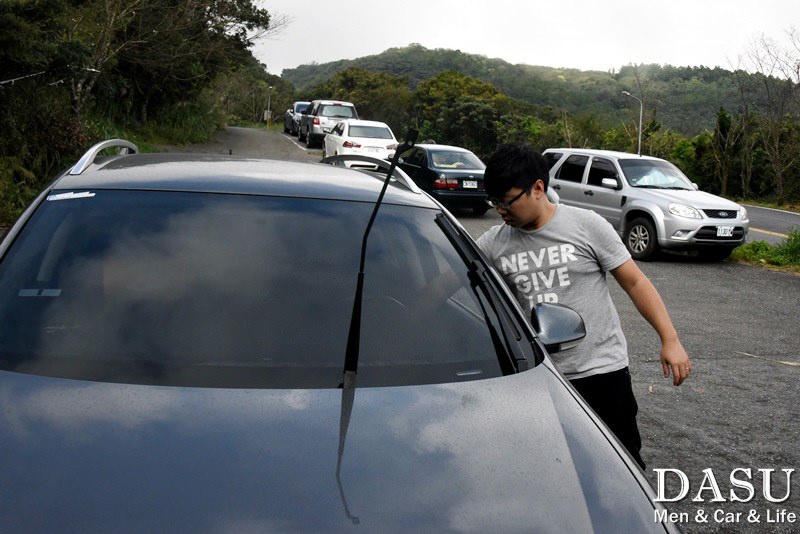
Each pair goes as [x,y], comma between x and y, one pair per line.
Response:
[398,175]
[125,147]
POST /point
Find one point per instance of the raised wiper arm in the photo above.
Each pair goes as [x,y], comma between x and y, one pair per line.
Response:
[354,334]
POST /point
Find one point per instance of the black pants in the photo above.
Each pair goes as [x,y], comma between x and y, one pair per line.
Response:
[611,396]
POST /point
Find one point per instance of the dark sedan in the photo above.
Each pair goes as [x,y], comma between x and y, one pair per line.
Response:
[452,175]
[181,351]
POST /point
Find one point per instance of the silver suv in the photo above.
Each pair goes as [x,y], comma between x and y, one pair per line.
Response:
[320,118]
[649,201]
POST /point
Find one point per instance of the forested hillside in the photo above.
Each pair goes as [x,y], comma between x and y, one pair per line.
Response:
[685,99]
[74,72]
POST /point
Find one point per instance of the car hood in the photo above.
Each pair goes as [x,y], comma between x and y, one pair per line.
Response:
[508,454]
[697,199]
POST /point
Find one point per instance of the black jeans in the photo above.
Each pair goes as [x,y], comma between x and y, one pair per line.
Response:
[611,396]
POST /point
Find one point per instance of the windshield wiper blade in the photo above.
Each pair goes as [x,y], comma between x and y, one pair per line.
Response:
[354,334]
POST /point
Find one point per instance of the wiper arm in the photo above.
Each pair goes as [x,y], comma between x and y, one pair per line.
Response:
[354,334]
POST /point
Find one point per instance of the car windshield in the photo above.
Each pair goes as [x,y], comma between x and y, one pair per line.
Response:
[214,290]
[373,132]
[654,174]
[299,108]
[337,110]
[450,159]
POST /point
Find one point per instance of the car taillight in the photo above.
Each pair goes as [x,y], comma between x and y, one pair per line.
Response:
[391,147]
[445,183]
[316,121]
[348,144]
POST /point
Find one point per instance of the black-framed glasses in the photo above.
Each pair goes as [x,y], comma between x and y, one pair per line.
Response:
[505,206]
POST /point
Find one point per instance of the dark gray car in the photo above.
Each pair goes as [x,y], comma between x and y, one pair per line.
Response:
[173,341]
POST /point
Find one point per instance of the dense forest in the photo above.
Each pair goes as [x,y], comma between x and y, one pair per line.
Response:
[156,71]
[74,72]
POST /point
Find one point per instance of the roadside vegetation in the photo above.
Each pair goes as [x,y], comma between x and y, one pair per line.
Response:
[784,256]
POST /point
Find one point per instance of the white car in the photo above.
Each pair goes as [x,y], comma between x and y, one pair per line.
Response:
[366,138]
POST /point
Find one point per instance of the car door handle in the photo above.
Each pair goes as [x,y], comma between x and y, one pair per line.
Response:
[557,187]
[588,193]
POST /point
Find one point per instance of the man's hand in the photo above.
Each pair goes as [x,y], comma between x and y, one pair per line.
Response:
[675,360]
[647,300]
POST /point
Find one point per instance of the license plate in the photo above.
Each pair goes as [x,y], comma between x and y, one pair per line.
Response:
[469,184]
[724,231]
[373,149]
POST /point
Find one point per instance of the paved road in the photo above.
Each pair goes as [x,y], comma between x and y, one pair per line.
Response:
[740,325]
[767,224]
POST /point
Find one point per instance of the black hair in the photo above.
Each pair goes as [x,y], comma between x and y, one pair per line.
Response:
[514,165]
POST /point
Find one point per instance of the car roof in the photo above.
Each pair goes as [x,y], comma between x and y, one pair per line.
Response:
[208,173]
[605,153]
[443,147]
[362,122]
[335,102]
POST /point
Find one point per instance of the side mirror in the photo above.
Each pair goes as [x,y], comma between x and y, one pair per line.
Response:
[610,183]
[557,326]
[696,187]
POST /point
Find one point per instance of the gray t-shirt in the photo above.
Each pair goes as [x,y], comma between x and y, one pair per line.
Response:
[566,261]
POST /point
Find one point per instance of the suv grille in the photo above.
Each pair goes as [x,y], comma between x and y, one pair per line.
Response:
[709,233]
[721,214]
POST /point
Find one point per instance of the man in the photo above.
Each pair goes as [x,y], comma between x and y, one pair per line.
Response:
[555,253]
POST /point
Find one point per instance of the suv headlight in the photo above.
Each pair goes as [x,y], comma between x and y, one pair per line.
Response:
[744,213]
[682,210]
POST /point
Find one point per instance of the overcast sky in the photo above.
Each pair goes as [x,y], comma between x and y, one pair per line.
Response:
[582,34]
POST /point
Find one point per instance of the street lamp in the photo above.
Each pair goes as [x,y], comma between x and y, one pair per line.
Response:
[641,108]
[269,103]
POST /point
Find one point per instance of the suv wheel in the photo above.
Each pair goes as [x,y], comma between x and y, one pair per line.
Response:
[641,239]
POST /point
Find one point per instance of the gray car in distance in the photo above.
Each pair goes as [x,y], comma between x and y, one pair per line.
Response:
[291,119]
[180,351]
[649,201]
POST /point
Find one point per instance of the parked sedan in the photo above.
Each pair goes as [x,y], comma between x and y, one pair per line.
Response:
[452,175]
[291,120]
[181,351]
[367,138]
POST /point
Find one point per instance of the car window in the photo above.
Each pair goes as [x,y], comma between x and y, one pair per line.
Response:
[210,290]
[572,169]
[373,132]
[336,110]
[551,158]
[338,129]
[600,168]
[298,108]
[654,174]
[414,156]
[451,159]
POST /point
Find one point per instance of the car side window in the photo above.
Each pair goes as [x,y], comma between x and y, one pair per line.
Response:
[552,158]
[416,157]
[572,169]
[601,168]
[338,130]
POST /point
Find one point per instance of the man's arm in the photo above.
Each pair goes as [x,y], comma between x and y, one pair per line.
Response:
[645,297]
